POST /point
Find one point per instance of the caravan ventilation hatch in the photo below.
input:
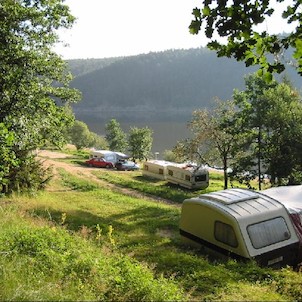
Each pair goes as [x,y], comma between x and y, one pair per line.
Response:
[231,196]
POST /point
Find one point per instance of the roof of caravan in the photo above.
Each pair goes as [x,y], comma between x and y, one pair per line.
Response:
[187,166]
[289,196]
[103,151]
[121,154]
[111,152]
[159,162]
[240,202]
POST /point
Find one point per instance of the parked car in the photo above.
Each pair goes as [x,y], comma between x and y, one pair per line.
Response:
[126,165]
[99,163]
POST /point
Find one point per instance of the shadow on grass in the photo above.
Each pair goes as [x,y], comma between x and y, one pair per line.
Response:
[146,219]
[151,235]
[145,179]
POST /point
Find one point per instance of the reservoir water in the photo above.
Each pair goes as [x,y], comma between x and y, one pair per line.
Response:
[165,133]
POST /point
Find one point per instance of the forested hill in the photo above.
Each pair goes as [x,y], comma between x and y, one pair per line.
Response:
[155,86]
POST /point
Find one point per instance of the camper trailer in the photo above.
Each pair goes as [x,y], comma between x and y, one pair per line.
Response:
[156,169]
[243,224]
[188,176]
[109,156]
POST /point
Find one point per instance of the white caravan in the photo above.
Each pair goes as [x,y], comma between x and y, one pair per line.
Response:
[156,169]
[109,156]
[188,176]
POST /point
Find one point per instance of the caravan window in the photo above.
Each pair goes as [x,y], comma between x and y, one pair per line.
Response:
[146,167]
[188,178]
[268,232]
[202,177]
[170,172]
[225,233]
[160,171]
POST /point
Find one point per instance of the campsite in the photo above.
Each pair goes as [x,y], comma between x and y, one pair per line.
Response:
[80,229]
[119,228]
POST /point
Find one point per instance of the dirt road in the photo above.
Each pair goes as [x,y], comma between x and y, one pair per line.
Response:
[50,158]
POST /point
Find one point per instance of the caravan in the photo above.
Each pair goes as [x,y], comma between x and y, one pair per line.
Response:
[156,169]
[245,224]
[188,176]
[185,175]
[108,156]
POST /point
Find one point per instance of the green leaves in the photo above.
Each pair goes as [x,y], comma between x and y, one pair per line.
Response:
[236,19]
[7,156]
[34,81]
[196,13]
[195,25]
[140,142]
[298,52]
[115,136]
[206,11]
[270,116]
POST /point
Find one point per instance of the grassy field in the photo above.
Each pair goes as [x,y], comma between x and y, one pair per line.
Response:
[82,240]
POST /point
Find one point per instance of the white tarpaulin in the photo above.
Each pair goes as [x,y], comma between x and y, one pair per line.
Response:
[289,196]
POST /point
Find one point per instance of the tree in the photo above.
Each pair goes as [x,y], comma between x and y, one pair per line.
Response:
[169,155]
[80,135]
[98,141]
[252,124]
[33,81]
[140,142]
[283,153]
[269,122]
[115,136]
[213,139]
[236,20]
[7,156]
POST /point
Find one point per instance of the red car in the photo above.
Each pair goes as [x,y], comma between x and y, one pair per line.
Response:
[99,163]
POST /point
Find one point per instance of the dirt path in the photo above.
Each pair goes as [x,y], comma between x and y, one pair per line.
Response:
[50,158]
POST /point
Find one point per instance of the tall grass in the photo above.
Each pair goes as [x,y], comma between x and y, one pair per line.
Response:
[92,243]
[50,263]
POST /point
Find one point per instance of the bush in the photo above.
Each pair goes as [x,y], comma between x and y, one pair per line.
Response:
[28,176]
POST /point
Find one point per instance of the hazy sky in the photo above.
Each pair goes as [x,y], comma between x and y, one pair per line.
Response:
[110,28]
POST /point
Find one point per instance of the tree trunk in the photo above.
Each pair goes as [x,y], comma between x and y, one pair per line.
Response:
[225,172]
[259,159]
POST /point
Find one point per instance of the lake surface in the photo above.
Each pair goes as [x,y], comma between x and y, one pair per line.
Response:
[165,133]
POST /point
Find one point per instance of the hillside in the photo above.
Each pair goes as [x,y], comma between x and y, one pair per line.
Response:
[166,85]
[155,89]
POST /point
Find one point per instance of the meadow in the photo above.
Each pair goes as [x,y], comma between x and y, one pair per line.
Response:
[114,237]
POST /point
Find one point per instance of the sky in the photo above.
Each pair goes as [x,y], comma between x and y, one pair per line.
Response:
[113,28]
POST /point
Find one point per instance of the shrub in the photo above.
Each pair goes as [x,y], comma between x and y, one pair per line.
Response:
[28,177]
